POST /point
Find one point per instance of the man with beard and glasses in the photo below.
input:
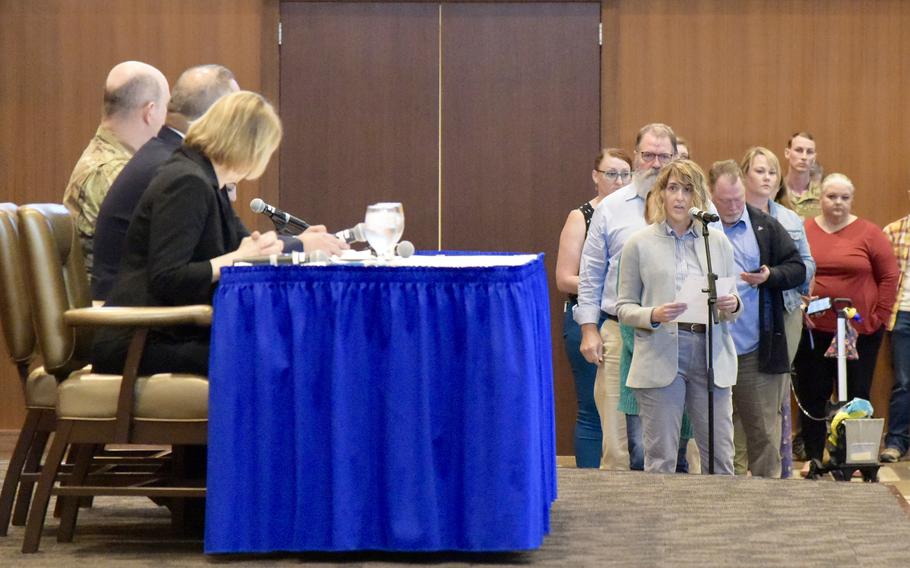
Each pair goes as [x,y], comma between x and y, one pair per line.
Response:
[616,217]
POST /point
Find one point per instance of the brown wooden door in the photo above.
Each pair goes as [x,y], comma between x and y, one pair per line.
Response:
[518,120]
[359,101]
[520,130]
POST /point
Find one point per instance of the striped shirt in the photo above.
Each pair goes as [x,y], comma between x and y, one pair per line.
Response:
[686,256]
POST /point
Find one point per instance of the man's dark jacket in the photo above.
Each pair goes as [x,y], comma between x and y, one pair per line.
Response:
[778,252]
[119,204]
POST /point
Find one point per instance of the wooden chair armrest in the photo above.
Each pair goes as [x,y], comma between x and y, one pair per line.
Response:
[140,318]
[200,315]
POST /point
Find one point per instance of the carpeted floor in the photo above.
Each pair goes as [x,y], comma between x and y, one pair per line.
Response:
[601,519]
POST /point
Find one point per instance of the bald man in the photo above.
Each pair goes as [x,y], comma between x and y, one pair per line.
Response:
[194,92]
[135,104]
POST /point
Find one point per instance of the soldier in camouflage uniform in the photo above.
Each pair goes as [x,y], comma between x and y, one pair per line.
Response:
[805,193]
[135,103]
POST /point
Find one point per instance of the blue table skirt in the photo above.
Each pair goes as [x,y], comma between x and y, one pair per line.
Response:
[380,408]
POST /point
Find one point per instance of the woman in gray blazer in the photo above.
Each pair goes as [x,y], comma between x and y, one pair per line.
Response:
[669,370]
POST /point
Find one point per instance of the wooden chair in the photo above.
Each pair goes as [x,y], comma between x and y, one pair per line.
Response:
[39,388]
[94,409]
[40,392]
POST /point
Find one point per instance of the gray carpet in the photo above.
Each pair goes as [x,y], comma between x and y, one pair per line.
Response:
[601,519]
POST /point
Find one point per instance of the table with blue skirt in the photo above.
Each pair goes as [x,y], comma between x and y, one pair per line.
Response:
[404,407]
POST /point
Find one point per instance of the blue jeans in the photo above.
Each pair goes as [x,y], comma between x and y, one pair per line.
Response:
[588,436]
[682,464]
[899,408]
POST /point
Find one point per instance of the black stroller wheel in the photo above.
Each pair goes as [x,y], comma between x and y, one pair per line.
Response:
[842,474]
[870,474]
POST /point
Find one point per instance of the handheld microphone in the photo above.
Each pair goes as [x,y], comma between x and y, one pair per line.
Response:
[281,219]
[404,249]
[704,216]
[293,258]
[272,260]
[353,235]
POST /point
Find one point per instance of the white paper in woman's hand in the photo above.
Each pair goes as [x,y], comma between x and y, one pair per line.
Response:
[696,299]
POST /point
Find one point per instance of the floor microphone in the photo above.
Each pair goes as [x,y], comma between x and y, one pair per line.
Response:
[281,219]
[704,216]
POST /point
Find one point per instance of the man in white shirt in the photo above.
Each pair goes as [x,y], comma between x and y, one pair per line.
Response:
[616,217]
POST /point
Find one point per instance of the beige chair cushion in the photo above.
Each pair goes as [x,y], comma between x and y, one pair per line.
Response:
[40,390]
[166,396]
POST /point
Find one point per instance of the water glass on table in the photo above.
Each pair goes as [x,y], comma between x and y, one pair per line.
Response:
[383,226]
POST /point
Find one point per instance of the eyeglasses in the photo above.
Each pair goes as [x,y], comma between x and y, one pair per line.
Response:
[613,174]
[648,157]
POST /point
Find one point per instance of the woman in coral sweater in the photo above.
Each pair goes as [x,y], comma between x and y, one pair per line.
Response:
[854,260]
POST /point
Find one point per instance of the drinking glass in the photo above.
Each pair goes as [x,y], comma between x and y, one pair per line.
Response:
[384,225]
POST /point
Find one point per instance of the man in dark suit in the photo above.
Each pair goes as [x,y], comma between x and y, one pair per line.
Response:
[769,263]
[195,91]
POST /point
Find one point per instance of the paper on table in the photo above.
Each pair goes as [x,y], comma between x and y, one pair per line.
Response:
[697,301]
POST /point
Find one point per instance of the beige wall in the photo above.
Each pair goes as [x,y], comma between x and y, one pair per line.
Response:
[54,56]
[730,74]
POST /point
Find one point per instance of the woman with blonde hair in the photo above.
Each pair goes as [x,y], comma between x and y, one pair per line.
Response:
[669,365]
[766,191]
[184,231]
[612,170]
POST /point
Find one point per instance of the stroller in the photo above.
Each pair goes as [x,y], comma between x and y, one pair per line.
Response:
[854,436]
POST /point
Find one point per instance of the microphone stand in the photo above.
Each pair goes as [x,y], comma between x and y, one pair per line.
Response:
[712,318]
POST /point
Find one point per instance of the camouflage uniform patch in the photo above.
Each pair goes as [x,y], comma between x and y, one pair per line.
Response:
[99,165]
[808,204]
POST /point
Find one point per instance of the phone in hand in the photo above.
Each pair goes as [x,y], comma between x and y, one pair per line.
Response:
[818,305]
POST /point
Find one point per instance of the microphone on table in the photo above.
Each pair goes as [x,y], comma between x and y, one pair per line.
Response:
[281,219]
[355,234]
[404,249]
[704,216]
[318,256]
[294,258]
